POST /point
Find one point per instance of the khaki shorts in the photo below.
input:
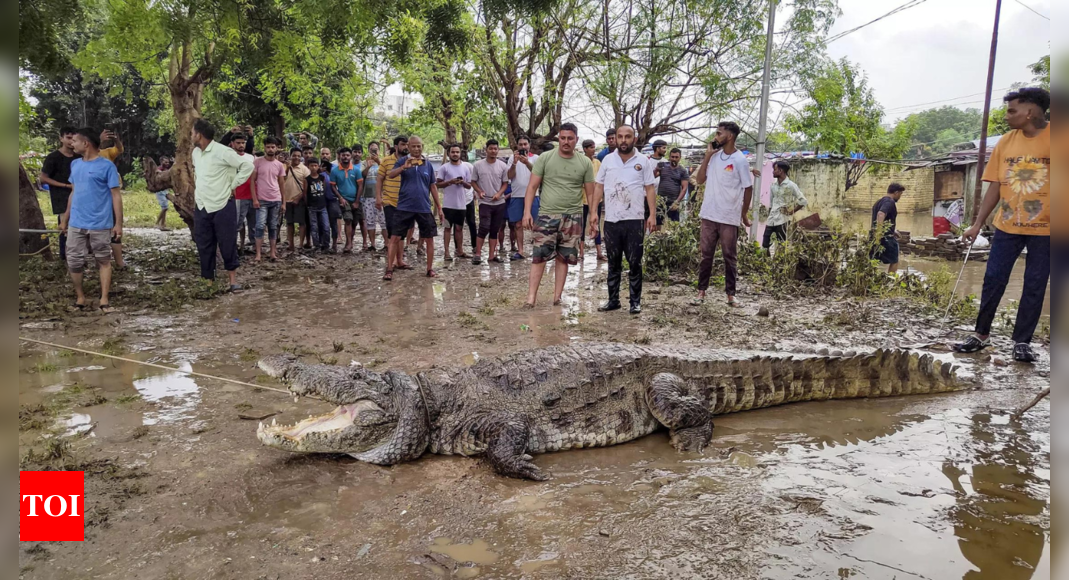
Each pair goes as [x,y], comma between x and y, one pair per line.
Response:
[557,236]
[83,243]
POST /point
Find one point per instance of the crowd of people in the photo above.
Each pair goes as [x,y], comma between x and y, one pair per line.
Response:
[561,195]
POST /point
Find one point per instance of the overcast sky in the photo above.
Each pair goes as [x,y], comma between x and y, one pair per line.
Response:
[938,50]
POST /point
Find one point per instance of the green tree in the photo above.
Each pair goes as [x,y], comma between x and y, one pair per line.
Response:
[302,65]
[844,118]
[680,66]
[940,129]
[529,53]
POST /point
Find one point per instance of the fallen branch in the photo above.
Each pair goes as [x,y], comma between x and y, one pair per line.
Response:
[1017,414]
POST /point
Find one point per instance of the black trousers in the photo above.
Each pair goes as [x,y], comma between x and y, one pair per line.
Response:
[473,227]
[216,231]
[624,239]
[779,232]
[1005,249]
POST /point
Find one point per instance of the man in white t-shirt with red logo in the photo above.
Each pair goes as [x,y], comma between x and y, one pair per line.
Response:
[725,171]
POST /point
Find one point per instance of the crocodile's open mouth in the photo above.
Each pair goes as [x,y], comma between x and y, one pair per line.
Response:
[351,428]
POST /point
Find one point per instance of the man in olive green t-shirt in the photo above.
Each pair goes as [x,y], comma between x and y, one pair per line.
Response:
[563,176]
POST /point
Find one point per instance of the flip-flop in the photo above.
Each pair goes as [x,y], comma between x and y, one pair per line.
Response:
[106,309]
[403,267]
[497,260]
[734,304]
[78,307]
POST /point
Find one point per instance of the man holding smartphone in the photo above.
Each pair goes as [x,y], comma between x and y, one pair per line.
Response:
[520,176]
[728,193]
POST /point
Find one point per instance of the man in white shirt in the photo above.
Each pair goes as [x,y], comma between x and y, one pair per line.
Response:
[625,181]
[786,200]
[728,193]
[520,176]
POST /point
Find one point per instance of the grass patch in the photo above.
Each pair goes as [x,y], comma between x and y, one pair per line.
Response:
[139,209]
[114,346]
[468,320]
[486,310]
[249,355]
[43,367]
[127,399]
[338,346]
[327,360]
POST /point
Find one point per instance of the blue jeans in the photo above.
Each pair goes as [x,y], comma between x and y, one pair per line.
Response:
[246,215]
[1005,249]
[319,226]
[267,218]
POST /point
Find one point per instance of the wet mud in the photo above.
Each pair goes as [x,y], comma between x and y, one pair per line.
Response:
[919,487]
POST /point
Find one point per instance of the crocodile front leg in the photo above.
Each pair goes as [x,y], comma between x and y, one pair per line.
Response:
[507,451]
[689,421]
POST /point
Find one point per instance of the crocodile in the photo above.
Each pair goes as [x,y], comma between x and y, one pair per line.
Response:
[571,397]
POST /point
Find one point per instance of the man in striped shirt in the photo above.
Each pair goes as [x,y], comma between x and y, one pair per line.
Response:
[386,199]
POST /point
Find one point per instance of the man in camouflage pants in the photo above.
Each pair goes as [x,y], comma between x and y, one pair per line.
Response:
[563,176]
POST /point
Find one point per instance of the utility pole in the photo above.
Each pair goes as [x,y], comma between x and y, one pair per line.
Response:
[762,129]
[981,157]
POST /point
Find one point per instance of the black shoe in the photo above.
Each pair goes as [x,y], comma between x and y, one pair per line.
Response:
[971,345]
[636,309]
[1023,353]
[609,307]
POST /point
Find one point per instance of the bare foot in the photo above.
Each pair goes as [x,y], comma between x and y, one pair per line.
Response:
[528,305]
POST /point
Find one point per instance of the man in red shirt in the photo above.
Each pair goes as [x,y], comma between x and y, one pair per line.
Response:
[245,194]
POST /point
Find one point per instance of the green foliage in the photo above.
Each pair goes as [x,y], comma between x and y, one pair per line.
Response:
[938,130]
[1041,72]
[844,117]
[674,251]
[42,24]
[663,67]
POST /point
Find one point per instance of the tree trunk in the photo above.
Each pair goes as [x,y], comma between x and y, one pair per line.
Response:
[30,217]
[186,99]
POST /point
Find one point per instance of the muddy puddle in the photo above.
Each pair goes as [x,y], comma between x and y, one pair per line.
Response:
[918,487]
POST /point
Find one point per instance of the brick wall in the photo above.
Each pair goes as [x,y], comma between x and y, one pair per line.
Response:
[824,185]
[920,190]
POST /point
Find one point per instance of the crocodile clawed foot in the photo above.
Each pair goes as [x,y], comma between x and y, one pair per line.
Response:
[692,439]
[519,467]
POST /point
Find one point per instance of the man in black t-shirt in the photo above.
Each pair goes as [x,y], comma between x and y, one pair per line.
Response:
[56,173]
[884,216]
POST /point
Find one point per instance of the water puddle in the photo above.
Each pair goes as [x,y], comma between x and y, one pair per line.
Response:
[175,395]
[544,560]
[477,552]
[76,424]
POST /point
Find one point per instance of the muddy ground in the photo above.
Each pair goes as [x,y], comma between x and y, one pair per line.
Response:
[178,486]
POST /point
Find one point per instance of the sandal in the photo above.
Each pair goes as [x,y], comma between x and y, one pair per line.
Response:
[388,276]
[106,309]
[403,267]
[432,274]
[497,260]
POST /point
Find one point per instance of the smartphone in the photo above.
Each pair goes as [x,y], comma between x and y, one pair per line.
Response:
[716,145]
[522,152]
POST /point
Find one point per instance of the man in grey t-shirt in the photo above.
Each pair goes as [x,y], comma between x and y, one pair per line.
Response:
[490,179]
[674,180]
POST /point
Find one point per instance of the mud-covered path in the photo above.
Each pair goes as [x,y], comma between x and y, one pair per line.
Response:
[921,487]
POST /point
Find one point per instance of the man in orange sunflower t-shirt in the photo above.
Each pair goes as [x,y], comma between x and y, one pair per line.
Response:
[1018,177]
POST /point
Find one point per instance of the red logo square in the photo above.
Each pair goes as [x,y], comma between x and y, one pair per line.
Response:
[51,506]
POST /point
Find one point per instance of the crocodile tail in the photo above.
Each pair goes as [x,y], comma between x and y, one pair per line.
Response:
[764,381]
